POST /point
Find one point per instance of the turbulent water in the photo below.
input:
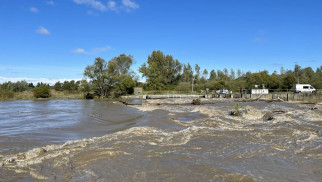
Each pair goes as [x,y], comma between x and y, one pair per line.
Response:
[66,140]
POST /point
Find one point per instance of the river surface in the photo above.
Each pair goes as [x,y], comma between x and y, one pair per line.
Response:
[88,140]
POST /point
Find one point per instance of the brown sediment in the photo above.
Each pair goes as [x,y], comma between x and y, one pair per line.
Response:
[178,141]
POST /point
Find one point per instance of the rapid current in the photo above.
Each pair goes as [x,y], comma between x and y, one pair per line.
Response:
[161,140]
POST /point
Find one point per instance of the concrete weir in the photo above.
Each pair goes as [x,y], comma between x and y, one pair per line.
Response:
[270,96]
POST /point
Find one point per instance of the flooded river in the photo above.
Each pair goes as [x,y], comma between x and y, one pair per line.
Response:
[81,140]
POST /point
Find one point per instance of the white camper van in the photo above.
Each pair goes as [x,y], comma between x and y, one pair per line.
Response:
[303,88]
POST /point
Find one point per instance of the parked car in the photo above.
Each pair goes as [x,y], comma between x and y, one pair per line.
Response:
[304,88]
[222,91]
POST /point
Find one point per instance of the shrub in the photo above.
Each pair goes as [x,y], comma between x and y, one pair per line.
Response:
[43,91]
[238,110]
[196,102]
[6,94]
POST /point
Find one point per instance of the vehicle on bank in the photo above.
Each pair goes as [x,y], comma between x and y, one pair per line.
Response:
[222,91]
[303,88]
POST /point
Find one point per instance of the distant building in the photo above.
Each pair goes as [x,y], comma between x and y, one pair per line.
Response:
[259,91]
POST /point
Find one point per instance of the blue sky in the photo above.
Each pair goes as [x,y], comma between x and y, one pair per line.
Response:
[56,39]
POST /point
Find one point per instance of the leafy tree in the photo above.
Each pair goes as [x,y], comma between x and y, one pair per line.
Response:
[197,72]
[112,78]
[232,74]
[239,73]
[161,70]
[85,86]
[31,85]
[127,85]
[213,75]
[58,86]
[219,85]
[98,75]
[288,81]
[254,79]
[205,74]
[187,73]
[119,75]
[274,82]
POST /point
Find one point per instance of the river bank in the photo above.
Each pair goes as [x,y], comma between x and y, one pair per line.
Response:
[28,95]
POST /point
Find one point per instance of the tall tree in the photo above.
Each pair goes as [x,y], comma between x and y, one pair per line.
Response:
[161,70]
[98,75]
[213,75]
[108,78]
[187,73]
[232,75]
[205,74]
[197,72]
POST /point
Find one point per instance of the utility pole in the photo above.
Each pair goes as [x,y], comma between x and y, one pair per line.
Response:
[192,84]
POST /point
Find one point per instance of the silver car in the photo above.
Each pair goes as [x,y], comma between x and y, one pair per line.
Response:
[222,91]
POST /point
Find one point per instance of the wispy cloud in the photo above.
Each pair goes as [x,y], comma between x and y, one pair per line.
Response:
[92,3]
[42,30]
[112,5]
[92,51]
[79,51]
[260,39]
[50,2]
[130,4]
[33,9]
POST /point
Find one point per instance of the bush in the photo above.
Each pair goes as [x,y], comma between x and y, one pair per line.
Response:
[43,91]
[196,102]
[6,94]
[238,110]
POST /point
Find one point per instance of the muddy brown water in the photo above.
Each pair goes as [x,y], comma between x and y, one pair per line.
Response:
[81,140]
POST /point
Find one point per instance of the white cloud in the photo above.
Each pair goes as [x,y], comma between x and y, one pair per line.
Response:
[42,30]
[92,51]
[112,5]
[79,51]
[92,3]
[33,9]
[130,4]
[36,80]
[50,2]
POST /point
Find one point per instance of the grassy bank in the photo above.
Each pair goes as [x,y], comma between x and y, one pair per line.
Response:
[28,95]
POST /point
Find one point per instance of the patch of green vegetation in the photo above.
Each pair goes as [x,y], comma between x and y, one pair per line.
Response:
[43,91]
[238,110]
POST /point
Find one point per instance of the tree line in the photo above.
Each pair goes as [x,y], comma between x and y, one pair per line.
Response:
[163,73]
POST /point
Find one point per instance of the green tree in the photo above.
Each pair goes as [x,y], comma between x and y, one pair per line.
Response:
[288,81]
[85,86]
[213,75]
[120,79]
[254,79]
[197,72]
[187,73]
[128,84]
[161,70]
[58,86]
[97,73]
